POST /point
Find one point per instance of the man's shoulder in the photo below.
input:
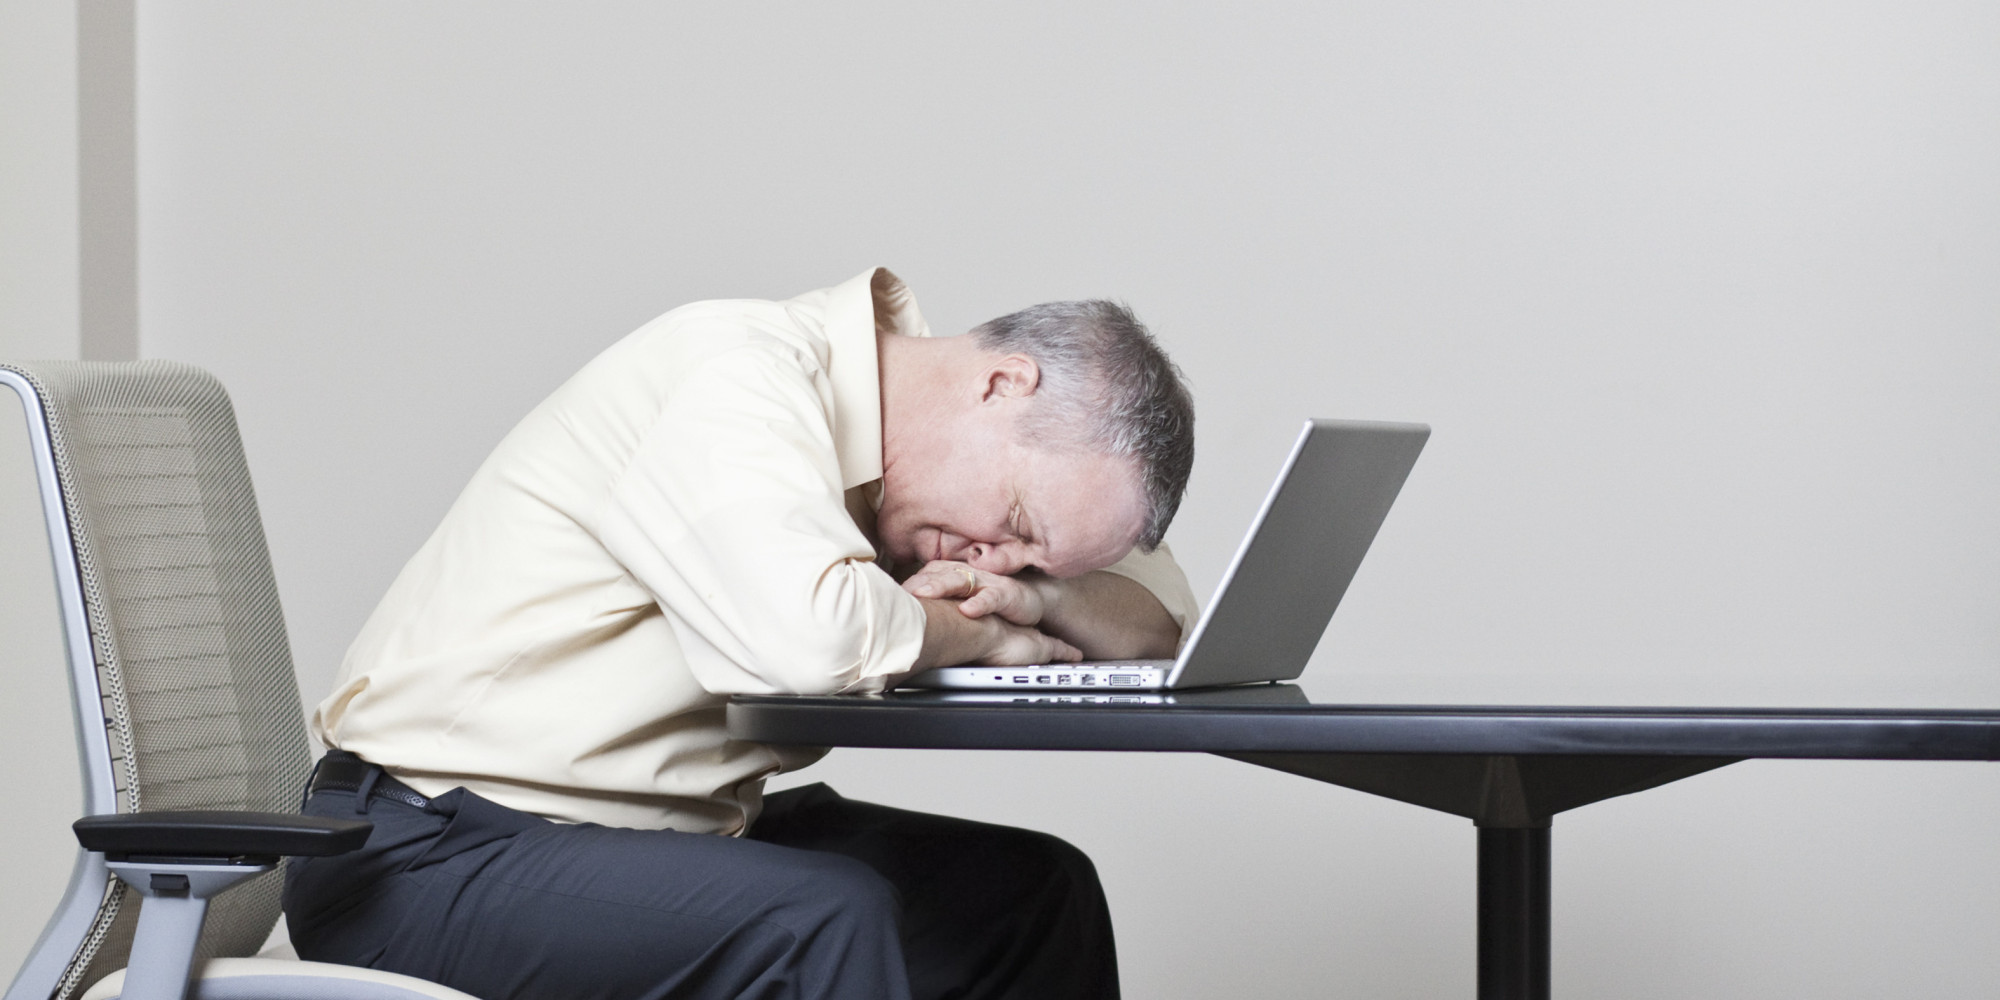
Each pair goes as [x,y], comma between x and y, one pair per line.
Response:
[628,384]
[702,329]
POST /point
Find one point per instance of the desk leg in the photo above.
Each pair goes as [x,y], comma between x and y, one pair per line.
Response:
[1513,913]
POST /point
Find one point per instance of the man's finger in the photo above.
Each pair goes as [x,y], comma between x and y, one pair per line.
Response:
[943,581]
[992,600]
[1004,598]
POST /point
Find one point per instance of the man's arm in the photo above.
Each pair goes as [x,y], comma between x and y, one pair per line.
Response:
[951,638]
[1109,617]
[1103,615]
[731,514]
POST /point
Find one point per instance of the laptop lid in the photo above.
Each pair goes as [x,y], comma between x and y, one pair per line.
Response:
[1301,552]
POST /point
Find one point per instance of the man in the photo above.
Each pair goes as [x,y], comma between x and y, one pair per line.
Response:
[721,503]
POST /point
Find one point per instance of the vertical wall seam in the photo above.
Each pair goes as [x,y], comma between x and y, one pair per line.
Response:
[107,179]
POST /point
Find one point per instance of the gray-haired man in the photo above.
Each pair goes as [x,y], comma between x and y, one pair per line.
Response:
[723,502]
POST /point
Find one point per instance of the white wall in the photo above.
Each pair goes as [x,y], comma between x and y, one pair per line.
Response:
[38,182]
[1698,297]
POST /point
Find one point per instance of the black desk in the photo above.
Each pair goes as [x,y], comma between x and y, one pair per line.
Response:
[1508,769]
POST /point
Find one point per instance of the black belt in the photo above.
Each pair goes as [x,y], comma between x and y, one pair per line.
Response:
[340,771]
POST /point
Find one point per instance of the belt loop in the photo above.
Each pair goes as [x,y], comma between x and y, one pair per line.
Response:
[367,788]
[312,776]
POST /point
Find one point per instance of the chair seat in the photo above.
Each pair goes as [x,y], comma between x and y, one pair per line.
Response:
[290,979]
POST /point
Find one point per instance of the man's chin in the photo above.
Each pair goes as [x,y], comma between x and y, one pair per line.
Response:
[906,553]
[902,569]
[903,559]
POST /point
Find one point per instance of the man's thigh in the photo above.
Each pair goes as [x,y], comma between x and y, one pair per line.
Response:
[501,905]
[988,911]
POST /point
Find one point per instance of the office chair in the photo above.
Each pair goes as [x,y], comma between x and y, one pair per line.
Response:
[188,724]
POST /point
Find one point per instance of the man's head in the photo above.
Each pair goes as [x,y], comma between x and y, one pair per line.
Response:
[1057,438]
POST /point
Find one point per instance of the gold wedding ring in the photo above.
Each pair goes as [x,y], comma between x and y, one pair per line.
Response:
[971,582]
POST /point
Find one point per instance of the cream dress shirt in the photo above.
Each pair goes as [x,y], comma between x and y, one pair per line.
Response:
[691,516]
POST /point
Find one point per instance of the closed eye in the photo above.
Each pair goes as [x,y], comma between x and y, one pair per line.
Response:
[1024,529]
[1021,524]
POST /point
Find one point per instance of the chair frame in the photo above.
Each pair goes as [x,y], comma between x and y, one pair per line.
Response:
[91,878]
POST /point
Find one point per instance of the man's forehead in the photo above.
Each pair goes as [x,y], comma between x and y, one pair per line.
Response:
[1090,513]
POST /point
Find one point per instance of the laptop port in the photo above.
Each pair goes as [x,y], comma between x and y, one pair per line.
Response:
[1042,679]
[1021,680]
[1088,680]
[1124,680]
[1064,678]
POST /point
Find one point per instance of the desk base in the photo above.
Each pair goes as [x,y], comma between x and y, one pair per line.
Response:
[1512,798]
[1513,913]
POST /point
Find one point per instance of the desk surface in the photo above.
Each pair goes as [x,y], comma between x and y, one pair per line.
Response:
[1282,719]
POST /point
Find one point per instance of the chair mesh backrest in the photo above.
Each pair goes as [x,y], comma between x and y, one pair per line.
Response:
[199,698]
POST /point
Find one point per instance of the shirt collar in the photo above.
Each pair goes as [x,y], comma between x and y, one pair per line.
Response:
[875,300]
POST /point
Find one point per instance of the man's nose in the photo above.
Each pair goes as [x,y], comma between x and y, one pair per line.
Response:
[997,559]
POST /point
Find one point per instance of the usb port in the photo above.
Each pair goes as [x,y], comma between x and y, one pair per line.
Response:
[1124,680]
[1064,678]
[1020,680]
[1043,679]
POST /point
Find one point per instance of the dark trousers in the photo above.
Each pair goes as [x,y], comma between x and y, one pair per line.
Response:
[826,897]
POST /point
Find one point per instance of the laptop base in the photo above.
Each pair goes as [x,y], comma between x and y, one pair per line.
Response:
[1100,675]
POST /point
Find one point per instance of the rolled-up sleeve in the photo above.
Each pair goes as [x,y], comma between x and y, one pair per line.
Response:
[731,514]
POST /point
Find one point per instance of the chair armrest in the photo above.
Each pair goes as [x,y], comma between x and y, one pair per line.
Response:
[180,859]
[196,834]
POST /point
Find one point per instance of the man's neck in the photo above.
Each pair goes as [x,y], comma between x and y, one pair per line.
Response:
[918,377]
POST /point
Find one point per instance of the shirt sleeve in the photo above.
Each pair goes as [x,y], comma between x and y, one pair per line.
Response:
[731,514]
[1162,577]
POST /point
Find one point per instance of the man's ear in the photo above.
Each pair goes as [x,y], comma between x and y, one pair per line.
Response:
[1015,375]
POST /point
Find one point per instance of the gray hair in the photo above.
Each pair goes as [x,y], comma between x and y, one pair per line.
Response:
[1105,386]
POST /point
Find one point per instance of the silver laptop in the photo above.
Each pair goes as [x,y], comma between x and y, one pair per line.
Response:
[1282,587]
